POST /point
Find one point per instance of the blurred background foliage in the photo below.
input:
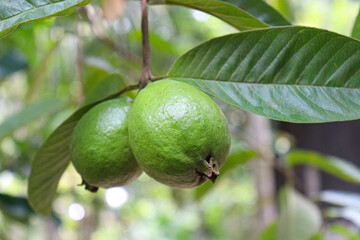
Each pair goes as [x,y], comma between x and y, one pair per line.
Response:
[49,68]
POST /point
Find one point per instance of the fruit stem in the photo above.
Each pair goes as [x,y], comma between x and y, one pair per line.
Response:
[146,73]
[89,187]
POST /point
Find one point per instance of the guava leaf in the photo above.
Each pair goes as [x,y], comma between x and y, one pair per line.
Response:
[15,12]
[294,74]
[329,164]
[300,219]
[52,159]
[222,10]
[262,11]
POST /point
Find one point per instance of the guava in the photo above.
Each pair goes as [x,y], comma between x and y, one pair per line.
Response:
[100,149]
[178,134]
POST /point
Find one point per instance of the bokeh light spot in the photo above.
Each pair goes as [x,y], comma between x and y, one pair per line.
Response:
[116,196]
[76,211]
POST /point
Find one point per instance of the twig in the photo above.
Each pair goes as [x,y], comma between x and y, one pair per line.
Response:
[146,73]
[38,75]
[79,66]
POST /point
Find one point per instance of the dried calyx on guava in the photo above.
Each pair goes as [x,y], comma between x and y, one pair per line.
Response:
[100,149]
[178,134]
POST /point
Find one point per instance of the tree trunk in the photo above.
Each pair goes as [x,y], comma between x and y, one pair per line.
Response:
[259,130]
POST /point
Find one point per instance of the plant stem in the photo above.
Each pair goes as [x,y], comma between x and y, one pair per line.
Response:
[146,61]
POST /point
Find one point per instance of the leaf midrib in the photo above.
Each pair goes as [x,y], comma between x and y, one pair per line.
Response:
[254,83]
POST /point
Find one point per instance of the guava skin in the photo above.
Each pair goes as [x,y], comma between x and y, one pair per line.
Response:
[178,134]
[100,149]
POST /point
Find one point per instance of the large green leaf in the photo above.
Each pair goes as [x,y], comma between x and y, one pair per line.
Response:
[29,114]
[295,74]
[262,11]
[15,12]
[300,219]
[226,12]
[51,161]
[329,164]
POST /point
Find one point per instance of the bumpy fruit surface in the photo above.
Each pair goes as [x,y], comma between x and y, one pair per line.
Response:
[100,149]
[178,134]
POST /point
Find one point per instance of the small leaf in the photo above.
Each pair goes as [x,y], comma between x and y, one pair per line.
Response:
[262,11]
[226,12]
[11,62]
[284,7]
[52,159]
[16,208]
[15,12]
[239,155]
[318,236]
[344,231]
[300,219]
[29,114]
[329,164]
[269,233]
[356,29]
[295,74]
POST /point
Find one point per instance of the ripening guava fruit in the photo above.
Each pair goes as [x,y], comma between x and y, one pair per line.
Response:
[100,150]
[178,135]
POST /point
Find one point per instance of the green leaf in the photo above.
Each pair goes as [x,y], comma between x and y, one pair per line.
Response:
[16,208]
[342,230]
[262,11]
[329,164]
[284,7]
[52,159]
[15,12]
[318,236]
[269,233]
[295,74]
[11,62]
[239,155]
[356,29]
[111,84]
[300,219]
[29,114]
[226,12]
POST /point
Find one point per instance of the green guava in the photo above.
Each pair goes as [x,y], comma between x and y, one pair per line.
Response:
[178,134]
[100,149]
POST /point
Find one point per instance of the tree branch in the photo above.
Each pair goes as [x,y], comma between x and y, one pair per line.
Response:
[146,73]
